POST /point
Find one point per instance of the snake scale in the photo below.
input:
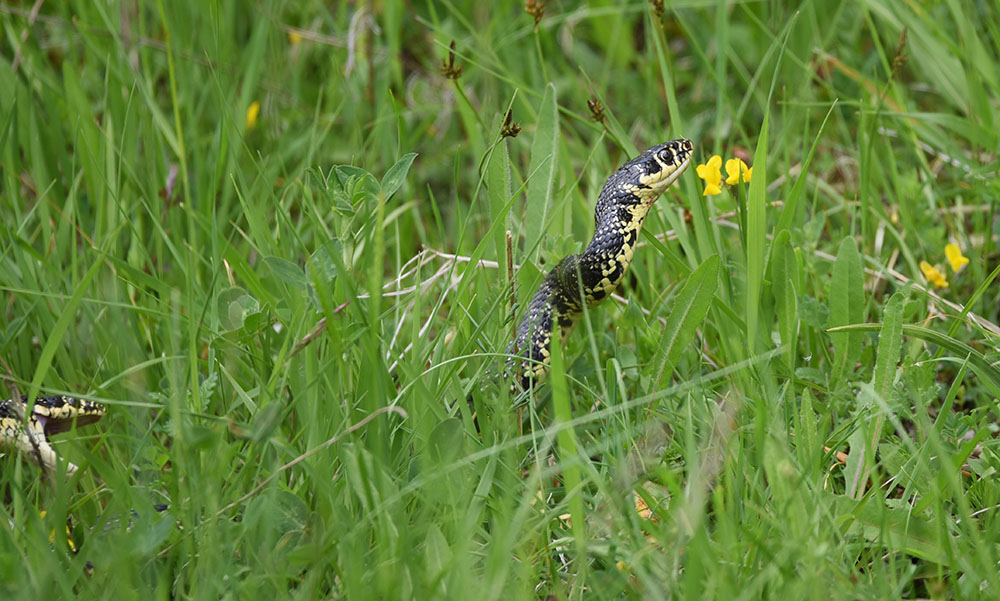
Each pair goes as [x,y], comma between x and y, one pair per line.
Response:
[590,277]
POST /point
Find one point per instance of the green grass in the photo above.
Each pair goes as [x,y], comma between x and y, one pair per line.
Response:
[781,458]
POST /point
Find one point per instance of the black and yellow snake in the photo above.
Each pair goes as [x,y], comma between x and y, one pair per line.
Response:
[49,415]
[593,275]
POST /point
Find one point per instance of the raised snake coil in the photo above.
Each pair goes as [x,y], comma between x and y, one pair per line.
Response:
[593,275]
[49,415]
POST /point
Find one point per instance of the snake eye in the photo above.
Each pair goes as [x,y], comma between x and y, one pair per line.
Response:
[666,156]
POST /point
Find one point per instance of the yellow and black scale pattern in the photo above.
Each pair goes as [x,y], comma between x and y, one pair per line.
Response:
[49,415]
[621,209]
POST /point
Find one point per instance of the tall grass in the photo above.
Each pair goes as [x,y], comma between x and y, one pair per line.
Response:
[285,314]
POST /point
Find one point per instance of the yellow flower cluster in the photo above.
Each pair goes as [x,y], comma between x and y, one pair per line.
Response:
[955,258]
[711,173]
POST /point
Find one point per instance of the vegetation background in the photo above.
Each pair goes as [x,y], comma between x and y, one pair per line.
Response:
[188,188]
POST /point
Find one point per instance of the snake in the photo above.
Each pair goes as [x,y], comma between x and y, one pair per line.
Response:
[587,278]
[49,415]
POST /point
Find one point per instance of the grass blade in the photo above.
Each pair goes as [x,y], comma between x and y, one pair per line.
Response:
[569,455]
[544,157]
[784,279]
[689,310]
[498,188]
[846,306]
[68,314]
[756,236]
[864,442]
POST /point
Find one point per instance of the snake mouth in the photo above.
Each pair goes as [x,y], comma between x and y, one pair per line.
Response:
[676,173]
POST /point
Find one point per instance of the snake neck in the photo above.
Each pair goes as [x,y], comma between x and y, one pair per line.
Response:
[606,259]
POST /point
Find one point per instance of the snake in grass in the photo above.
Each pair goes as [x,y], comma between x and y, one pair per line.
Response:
[49,415]
[591,276]
[578,280]
[30,437]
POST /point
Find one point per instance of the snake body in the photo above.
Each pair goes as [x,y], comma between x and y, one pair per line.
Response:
[590,277]
[49,415]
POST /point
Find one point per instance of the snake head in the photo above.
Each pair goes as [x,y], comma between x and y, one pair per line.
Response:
[639,182]
[660,166]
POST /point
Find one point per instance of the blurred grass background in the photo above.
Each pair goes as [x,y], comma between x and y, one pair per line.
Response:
[270,236]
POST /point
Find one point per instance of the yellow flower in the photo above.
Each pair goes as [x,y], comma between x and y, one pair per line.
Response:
[747,174]
[733,168]
[294,38]
[252,112]
[954,255]
[933,275]
[711,173]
